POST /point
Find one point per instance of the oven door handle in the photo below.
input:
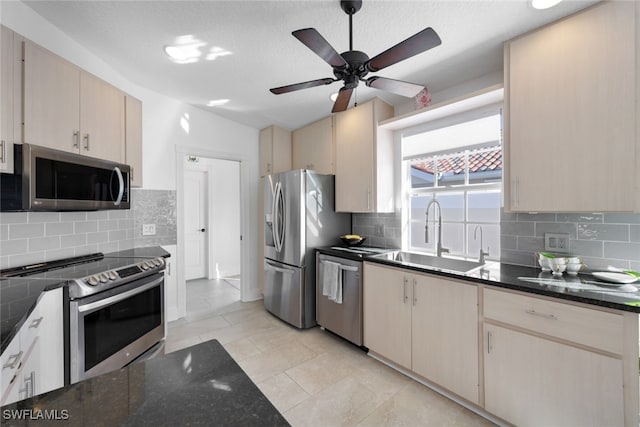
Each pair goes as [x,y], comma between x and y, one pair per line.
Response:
[83,308]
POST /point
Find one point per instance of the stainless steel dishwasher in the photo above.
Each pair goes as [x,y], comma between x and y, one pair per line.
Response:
[343,319]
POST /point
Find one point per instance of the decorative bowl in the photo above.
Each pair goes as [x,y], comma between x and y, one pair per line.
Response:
[352,239]
[573,268]
[558,265]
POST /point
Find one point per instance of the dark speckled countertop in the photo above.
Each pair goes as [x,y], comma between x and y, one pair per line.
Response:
[574,288]
[197,386]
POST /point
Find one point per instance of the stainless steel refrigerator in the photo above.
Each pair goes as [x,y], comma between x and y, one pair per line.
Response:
[299,217]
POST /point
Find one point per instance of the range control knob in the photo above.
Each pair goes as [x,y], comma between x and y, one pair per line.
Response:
[157,262]
[104,278]
[144,265]
[93,280]
[112,275]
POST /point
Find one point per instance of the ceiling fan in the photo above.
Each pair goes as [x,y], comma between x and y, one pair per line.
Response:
[353,66]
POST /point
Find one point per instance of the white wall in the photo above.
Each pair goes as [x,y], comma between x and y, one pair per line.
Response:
[168,124]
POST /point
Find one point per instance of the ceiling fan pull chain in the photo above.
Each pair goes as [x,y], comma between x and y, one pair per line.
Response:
[351,31]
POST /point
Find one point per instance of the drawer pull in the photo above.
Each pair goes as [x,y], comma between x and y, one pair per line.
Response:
[413,291]
[489,342]
[546,316]
[404,290]
[12,361]
[36,322]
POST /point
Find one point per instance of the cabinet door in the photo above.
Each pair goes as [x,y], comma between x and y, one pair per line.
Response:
[266,150]
[50,333]
[531,381]
[445,334]
[170,285]
[10,362]
[51,100]
[101,119]
[355,159]
[6,100]
[571,113]
[281,146]
[387,313]
[133,138]
[312,147]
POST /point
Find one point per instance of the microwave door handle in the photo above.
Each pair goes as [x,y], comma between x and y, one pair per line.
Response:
[120,184]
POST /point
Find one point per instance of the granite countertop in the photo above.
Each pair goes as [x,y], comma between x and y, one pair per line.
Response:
[19,295]
[574,288]
[197,386]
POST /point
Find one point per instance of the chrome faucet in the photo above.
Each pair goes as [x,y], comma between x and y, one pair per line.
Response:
[482,252]
[439,248]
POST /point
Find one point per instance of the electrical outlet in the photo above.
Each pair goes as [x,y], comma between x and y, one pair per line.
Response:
[556,242]
[148,229]
[379,230]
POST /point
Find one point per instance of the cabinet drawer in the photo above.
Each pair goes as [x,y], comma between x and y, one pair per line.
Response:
[584,326]
[10,364]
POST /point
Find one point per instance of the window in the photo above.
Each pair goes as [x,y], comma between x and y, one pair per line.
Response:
[459,166]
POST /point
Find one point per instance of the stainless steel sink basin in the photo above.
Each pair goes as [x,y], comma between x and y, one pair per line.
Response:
[429,261]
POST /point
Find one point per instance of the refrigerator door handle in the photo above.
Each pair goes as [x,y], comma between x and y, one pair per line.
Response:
[280,218]
[279,269]
[274,228]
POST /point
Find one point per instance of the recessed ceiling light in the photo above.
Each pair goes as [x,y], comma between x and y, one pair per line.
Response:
[216,102]
[544,4]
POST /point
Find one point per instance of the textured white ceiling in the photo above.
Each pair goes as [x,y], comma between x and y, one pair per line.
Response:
[130,35]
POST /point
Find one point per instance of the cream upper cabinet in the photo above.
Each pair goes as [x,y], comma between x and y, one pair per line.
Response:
[70,110]
[313,147]
[364,159]
[10,96]
[275,150]
[101,119]
[133,138]
[424,323]
[550,363]
[51,100]
[570,113]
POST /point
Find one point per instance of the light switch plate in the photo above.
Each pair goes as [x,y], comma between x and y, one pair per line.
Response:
[556,242]
[379,230]
[148,229]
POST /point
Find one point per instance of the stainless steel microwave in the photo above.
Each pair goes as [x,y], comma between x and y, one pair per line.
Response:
[51,180]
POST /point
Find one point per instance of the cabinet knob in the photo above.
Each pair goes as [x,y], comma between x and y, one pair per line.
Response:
[36,322]
[12,361]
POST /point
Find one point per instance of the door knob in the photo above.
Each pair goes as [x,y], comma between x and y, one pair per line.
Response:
[202,229]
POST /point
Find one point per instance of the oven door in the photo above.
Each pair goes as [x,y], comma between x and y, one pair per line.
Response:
[111,329]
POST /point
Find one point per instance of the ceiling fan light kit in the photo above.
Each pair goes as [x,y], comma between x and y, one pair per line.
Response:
[352,66]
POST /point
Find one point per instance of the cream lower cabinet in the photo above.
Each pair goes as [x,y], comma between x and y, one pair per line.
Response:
[571,113]
[33,362]
[424,323]
[554,364]
[171,307]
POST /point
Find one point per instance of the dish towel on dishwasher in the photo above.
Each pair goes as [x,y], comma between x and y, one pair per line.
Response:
[332,281]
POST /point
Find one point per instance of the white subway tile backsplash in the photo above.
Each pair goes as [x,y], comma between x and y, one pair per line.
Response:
[13,218]
[622,250]
[20,231]
[35,217]
[44,243]
[609,232]
[27,238]
[13,247]
[73,240]
[556,227]
[85,226]
[99,237]
[73,216]
[58,228]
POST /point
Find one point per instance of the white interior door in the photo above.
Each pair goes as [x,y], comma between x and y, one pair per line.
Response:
[195,192]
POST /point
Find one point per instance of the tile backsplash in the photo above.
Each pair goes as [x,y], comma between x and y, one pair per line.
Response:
[602,239]
[29,237]
[388,225]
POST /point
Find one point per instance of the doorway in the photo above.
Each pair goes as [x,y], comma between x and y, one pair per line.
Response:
[211,224]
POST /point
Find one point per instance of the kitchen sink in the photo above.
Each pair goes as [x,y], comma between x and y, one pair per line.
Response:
[429,261]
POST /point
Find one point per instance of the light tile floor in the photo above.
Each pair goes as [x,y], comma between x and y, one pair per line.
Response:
[312,377]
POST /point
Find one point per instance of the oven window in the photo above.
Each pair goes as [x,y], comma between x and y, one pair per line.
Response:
[109,329]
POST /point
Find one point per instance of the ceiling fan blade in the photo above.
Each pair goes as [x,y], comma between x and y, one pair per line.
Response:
[303,85]
[342,101]
[395,86]
[314,41]
[417,43]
